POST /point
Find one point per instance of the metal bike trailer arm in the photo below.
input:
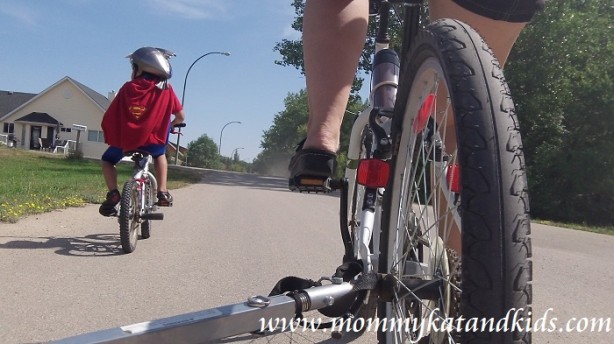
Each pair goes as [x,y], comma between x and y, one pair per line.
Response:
[198,327]
[217,323]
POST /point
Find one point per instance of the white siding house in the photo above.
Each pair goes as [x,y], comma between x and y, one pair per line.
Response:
[52,115]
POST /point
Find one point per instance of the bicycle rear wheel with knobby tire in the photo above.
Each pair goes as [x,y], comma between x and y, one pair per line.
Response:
[129,216]
[150,200]
[457,204]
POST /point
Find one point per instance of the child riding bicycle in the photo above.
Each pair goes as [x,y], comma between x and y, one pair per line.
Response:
[139,117]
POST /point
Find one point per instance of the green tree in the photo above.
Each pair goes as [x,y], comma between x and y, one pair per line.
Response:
[280,140]
[203,152]
[235,164]
[289,127]
[560,73]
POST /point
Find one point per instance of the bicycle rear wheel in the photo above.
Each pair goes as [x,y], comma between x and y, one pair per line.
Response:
[456,204]
[129,216]
[150,206]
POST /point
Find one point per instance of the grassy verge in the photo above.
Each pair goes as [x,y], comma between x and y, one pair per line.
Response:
[35,182]
[602,230]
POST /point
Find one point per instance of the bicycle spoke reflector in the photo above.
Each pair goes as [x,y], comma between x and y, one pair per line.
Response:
[427,107]
[453,178]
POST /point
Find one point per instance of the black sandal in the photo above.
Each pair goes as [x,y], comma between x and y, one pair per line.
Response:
[312,169]
[164,199]
[108,207]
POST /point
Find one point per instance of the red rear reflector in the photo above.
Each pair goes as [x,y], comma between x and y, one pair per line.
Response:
[453,178]
[373,173]
[427,107]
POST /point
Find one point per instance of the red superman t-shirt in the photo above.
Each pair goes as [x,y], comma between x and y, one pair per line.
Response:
[139,115]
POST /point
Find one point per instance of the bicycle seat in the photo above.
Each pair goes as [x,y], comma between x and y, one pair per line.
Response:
[136,151]
[136,155]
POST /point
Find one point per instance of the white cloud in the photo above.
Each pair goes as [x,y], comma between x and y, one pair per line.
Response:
[190,9]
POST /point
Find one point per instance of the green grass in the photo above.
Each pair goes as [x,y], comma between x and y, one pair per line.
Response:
[33,182]
[583,227]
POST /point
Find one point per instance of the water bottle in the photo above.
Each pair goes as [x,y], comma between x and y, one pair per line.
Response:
[386,69]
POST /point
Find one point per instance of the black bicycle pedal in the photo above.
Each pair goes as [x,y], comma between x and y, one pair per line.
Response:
[153,216]
[311,184]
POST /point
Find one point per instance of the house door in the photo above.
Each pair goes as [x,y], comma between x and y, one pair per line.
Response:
[35,134]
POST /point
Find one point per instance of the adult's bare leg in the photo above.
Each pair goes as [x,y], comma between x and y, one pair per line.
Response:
[334,34]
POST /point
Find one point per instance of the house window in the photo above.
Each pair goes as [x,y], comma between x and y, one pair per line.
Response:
[66,130]
[8,128]
[95,136]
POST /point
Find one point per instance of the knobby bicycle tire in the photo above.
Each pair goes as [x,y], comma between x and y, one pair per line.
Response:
[150,199]
[128,223]
[474,131]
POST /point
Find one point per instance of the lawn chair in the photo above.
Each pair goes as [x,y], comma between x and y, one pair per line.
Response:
[61,146]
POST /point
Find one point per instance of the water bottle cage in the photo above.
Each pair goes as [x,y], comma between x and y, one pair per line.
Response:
[382,141]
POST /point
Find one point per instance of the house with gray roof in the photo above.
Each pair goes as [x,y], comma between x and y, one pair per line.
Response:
[65,115]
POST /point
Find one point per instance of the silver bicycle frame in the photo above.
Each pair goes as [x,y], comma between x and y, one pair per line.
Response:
[369,219]
[140,173]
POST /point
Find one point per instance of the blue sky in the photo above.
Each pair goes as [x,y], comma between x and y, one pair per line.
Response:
[87,40]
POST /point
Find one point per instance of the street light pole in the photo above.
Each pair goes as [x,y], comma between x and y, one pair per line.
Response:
[225,53]
[192,65]
[219,148]
[234,152]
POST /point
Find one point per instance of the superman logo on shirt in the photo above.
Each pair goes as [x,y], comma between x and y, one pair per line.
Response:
[136,111]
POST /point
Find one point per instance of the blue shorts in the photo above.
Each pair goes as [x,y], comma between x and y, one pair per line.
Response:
[115,154]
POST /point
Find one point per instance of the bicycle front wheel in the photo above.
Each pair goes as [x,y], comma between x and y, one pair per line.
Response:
[129,210]
[456,204]
[150,206]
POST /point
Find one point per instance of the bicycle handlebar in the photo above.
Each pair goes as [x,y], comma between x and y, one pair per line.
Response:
[178,125]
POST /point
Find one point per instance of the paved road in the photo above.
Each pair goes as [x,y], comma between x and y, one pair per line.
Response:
[227,238]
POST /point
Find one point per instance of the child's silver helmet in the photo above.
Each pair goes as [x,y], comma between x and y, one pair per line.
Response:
[153,60]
